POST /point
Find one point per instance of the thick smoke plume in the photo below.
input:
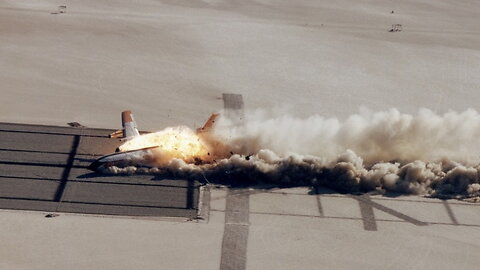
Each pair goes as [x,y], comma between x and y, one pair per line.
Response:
[374,136]
[427,153]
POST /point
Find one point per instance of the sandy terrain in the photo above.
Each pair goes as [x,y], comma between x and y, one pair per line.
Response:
[281,236]
[169,61]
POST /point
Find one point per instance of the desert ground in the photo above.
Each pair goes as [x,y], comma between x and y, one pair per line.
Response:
[169,61]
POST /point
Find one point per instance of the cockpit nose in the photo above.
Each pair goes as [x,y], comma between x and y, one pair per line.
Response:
[95,165]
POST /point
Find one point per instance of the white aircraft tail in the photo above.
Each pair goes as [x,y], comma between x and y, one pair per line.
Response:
[129,127]
[209,124]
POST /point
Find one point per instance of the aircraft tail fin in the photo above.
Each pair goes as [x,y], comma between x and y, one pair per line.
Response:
[129,127]
[209,124]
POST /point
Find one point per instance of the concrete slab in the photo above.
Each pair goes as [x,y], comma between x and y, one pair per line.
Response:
[218,199]
[41,169]
[35,141]
[344,244]
[31,171]
[135,195]
[340,206]
[275,203]
[79,242]
[463,213]
[428,212]
[28,189]
[94,146]
[37,157]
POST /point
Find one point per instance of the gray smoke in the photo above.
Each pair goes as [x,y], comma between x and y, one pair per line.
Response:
[346,174]
[375,136]
[425,154]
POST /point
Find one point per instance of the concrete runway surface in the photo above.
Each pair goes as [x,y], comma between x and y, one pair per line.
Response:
[44,168]
[169,62]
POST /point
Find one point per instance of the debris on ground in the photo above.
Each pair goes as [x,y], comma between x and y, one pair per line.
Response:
[75,124]
[396,28]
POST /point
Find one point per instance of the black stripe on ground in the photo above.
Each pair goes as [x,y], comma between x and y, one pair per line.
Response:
[32,151]
[30,178]
[368,217]
[68,168]
[192,186]
[235,236]
[385,198]
[96,182]
[50,133]
[450,212]
[91,203]
[350,218]
[319,202]
[319,205]
[388,210]
[37,164]
[45,152]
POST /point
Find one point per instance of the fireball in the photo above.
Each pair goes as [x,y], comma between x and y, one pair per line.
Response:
[174,142]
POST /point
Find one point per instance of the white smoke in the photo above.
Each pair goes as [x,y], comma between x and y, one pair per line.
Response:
[375,136]
[426,154]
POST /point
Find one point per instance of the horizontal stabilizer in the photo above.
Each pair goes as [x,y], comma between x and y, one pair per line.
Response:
[117,134]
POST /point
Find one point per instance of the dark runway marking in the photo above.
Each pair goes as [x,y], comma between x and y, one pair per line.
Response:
[41,171]
[368,217]
[90,203]
[450,212]
[50,152]
[319,206]
[29,178]
[235,236]
[32,151]
[388,210]
[50,133]
[352,218]
[319,202]
[68,168]
[399,199]
[192,187]
[38,164]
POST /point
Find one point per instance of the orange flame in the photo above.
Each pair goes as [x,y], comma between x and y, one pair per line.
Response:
[174,142]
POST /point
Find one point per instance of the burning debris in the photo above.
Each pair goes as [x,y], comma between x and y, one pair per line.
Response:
[384,151]
[75,125]
[175,142]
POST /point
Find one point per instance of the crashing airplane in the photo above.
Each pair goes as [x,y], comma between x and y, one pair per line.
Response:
[146,150]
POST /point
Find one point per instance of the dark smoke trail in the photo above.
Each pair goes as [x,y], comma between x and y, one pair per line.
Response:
[346,174]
